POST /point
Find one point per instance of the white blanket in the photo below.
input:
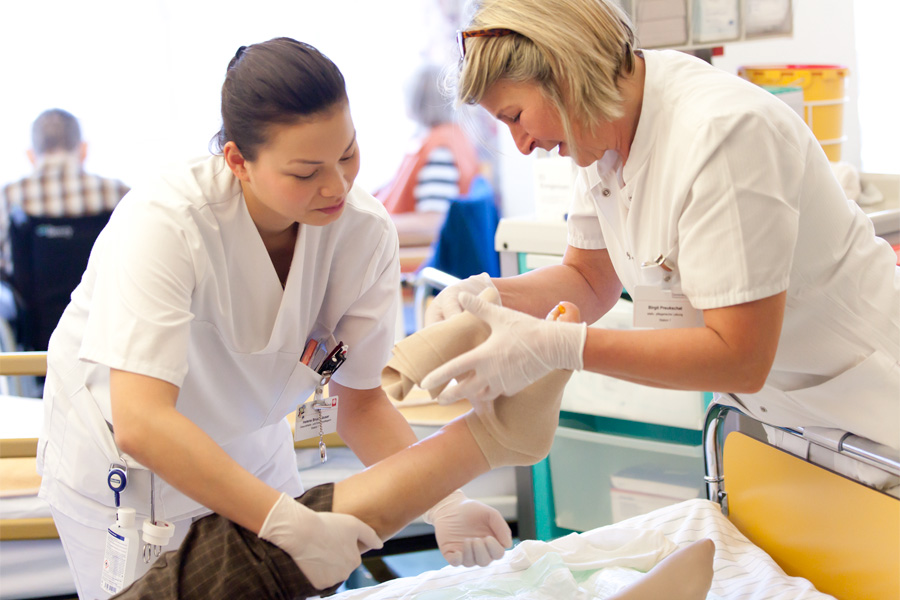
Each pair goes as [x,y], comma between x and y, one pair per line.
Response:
[597,563]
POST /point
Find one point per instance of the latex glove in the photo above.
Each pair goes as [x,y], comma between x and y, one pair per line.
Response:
[468,532]
[446,303]
[326,546]
[520,350]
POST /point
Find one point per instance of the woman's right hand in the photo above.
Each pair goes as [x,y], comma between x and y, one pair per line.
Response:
[446,304]
[326,546]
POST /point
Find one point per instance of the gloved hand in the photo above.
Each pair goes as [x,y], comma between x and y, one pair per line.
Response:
[468,532]
[326,546]
[446,303]
[520,350]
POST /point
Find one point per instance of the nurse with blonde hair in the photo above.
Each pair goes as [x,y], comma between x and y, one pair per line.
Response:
[709,201]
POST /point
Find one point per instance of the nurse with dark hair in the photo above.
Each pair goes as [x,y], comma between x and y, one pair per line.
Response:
[182,349]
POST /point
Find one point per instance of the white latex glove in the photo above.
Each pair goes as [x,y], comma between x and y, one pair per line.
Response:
[446,303]
[520,350]
[468,532]
[325,545]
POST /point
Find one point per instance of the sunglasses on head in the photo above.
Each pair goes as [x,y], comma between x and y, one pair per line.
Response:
[462,36]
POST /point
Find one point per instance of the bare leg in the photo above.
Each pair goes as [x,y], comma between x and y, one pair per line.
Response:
[686,574]
[394,491]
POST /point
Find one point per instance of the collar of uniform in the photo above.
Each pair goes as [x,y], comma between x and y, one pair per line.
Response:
[647,122]
[602,170]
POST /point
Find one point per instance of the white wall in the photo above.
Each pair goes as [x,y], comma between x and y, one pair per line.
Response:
[144,77]
[824,34]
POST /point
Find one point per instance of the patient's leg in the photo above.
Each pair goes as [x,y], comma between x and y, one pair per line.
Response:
[391,493]
[519,429]
[222,559]
[399,488]
[510,430]
[686,574]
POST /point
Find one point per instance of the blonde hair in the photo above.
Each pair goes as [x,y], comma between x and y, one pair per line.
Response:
[574,49]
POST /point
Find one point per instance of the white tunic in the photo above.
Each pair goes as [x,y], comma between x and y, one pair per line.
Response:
[729,184]
[180,287]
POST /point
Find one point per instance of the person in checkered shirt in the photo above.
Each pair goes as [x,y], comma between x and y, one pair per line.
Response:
[59,185]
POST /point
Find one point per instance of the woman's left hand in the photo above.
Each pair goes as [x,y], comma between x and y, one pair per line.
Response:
[468,532]
[520,350]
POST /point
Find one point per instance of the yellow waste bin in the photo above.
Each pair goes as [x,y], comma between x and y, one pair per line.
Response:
[823,97]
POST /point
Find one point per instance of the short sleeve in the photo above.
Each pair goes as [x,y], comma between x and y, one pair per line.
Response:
[739,225]
[140,314]
[583,224]
[369,324]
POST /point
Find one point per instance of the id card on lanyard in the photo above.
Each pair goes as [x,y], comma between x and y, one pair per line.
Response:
[319,415]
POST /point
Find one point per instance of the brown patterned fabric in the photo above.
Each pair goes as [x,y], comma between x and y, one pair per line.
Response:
[219,559]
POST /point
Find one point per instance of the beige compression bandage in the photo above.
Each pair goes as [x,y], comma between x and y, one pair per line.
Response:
[510,430]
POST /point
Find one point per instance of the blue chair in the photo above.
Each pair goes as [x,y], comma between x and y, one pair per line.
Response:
[465,244]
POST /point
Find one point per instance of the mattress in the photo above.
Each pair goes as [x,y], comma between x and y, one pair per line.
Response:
[597,563]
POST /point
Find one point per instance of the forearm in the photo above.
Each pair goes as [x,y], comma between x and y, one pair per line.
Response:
[393,492]
[586,278]
[369,424]
[537,292]
[733,352]
[683,359]
[183,455]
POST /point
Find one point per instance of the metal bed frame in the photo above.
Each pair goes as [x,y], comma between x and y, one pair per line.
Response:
[838,533]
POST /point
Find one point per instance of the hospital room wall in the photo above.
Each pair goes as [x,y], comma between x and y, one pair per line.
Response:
[144,77]
[839,32]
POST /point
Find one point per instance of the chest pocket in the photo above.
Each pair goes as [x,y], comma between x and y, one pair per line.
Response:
[300,385]
[230,394]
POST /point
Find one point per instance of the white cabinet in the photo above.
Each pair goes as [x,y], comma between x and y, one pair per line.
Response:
[690,24]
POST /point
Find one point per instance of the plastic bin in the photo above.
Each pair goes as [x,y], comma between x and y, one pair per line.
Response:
[583,463]
[823,97]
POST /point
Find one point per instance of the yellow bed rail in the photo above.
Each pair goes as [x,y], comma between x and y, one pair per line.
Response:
[839,534]
[23,363]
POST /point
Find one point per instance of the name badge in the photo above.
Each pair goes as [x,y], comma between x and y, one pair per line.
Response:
[316,418]
[660,308]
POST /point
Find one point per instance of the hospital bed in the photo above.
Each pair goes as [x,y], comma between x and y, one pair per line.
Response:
[784,528]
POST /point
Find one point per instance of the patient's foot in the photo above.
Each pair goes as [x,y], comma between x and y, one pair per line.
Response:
[565,312]
[519,429]
[686,574]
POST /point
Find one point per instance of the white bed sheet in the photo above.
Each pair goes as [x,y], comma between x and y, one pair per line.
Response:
[595,564]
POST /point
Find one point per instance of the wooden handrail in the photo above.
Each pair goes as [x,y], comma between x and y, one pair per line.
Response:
[23,363]
[39,528]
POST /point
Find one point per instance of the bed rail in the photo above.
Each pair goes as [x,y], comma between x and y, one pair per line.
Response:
[23,363]
[828,528]
[840,442]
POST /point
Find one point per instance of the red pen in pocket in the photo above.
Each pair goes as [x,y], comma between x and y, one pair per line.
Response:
[307,355]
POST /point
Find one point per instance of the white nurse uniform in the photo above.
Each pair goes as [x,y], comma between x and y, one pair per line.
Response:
[180,287]
[729,185]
